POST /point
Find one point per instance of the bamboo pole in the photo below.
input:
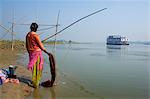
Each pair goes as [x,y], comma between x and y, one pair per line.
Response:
[73,24]
[12,33]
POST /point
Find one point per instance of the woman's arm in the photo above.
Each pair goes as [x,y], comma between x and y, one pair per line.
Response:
[41,45]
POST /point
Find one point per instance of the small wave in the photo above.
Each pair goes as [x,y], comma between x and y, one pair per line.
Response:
[80,86]
[97,54]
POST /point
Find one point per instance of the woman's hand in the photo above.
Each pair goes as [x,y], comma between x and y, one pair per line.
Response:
[46,52]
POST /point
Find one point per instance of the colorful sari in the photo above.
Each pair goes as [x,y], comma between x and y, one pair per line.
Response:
[36,65]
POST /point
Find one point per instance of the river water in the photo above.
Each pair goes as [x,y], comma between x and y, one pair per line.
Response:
[106,72]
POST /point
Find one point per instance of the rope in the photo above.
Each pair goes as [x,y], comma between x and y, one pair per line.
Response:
[46,28]
[2,37]
[66,54]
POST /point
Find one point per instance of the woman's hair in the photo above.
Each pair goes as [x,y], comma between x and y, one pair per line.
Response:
[34,27]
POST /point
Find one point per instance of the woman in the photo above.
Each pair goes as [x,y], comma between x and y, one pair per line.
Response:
[35,47]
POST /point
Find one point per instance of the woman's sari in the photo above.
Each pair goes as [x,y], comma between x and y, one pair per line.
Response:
[36,65]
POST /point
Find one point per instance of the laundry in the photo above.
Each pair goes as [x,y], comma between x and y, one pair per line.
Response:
[3,76]
[50,83]
[8,75]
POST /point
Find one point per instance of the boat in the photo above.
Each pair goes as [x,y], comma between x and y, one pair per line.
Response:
[117,40]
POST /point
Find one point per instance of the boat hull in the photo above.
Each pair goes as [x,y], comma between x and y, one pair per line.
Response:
[116,44]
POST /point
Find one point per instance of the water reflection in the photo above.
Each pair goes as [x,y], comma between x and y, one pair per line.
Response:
[42,93]
[36,94]
[119,47]
[116,51]
[53,95]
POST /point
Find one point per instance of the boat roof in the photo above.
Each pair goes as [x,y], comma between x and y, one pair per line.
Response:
[115,36]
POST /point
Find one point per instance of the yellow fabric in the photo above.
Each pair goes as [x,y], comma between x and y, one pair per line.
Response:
[36,74]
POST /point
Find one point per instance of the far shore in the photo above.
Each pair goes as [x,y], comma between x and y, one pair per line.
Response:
[20,44]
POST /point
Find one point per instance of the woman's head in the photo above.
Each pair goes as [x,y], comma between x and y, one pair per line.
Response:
[34,27]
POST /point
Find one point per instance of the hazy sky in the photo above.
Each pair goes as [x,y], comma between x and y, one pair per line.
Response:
[130,18]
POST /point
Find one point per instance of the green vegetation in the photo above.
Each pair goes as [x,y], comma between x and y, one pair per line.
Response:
[7,44]
[53,42]
[20,45]
[61,42]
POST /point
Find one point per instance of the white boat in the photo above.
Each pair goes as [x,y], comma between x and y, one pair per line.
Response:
[117,40]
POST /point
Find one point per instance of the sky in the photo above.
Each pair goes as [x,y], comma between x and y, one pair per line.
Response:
[129,18]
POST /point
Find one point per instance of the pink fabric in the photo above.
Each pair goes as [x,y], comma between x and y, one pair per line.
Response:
[33,57]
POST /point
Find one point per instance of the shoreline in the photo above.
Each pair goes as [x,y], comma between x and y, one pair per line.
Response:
[66,86]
